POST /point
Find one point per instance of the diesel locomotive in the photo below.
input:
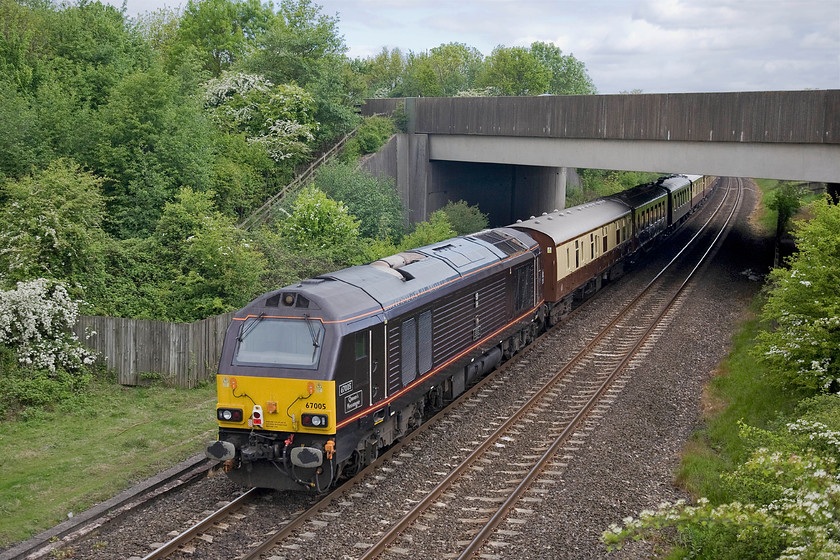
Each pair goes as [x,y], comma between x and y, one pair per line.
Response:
[316,378]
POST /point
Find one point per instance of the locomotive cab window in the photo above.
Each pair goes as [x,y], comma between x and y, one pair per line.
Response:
[292,343]
[361,345]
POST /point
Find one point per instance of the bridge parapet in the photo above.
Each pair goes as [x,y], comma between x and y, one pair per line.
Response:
[799,117]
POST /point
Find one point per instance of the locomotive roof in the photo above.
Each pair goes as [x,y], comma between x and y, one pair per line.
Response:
[563,225]
[366,289]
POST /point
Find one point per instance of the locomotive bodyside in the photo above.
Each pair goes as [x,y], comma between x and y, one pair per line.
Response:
[317,377]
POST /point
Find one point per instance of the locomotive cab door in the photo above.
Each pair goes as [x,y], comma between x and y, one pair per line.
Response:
[369,364]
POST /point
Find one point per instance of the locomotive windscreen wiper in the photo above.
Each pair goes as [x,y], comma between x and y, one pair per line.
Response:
[247,330]
[313,334]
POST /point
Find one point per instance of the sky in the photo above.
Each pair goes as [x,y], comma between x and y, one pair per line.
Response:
[656,46]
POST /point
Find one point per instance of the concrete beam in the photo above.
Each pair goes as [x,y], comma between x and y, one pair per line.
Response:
[798,162]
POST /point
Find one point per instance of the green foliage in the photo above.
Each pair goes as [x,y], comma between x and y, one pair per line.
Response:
[568,74]
[514,71]
[220,30]
[319,222]
[785,201]
[383,74]
[214,269]
[303,46]
[777,495]
[51,226]
[152,141]
[785,499]
[26,391]
[277,118]
[803,310]
[372,134]
[465,219]
[436,229]
[373,200]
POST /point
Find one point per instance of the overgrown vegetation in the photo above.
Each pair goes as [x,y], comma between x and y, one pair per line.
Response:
[765,468]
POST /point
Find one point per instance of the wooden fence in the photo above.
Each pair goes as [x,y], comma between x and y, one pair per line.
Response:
[182,354]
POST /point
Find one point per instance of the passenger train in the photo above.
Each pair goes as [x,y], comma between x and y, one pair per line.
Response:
[316,378]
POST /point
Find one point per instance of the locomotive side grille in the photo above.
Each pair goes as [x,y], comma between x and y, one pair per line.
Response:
[394,362]
[455,327]
[493,306]
[453,323]
[409,351]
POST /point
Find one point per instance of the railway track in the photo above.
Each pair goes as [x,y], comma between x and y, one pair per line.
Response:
[491,487]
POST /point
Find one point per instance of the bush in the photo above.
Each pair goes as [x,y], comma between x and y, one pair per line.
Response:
[373,133]
[36,320]
[373,200]
[465,219]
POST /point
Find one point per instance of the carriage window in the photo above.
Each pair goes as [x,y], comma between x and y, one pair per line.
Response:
[292,343]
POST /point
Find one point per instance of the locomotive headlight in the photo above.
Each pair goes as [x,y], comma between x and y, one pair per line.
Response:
[229,414]
[314,420]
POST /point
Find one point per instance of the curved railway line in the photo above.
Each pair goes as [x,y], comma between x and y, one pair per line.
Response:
[489,488]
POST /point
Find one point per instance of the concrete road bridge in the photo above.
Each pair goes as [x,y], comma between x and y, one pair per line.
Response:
[512,155]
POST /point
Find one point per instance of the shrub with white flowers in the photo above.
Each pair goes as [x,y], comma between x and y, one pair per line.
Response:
[800,520]
[35,321]
[280,118]
[801,349]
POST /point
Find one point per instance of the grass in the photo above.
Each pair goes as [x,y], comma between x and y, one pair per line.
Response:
[88,450]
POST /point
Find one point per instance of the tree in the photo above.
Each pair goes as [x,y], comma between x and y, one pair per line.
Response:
[514,71]
[373,200]
[221,30]
[455,67]
[151,140]
[568,74]
[212,267]
[319,222]
[465,219]
[800,350]
[278,118]
[382,73]
[302,46]
[437,228]
[51,226]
